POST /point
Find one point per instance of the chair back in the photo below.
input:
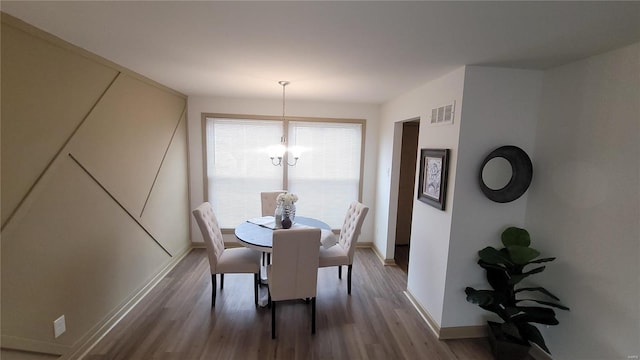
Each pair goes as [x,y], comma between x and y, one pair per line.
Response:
[268,199]
[211,233]
[294,264]
[351,227]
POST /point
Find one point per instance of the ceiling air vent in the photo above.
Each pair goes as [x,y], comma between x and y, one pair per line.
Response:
[443,114]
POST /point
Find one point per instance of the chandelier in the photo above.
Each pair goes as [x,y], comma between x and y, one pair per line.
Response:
[279,152]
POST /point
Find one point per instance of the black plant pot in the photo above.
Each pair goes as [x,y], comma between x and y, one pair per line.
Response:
[503,348]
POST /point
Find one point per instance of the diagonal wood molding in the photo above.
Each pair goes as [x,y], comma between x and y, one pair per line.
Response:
[119,204]
[164,156]
[57,154]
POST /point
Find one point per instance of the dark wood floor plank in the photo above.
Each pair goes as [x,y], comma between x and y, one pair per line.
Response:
[176,321]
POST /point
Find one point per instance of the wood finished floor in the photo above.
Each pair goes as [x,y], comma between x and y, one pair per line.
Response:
[175,320]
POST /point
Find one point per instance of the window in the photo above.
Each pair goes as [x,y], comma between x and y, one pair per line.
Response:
[326,178]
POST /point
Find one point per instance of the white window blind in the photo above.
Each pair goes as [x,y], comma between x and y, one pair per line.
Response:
[238,167]
[326,178]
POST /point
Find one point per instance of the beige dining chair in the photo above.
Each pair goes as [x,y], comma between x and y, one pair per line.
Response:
[268,200]
[293,274]
[343,252]
[221,260]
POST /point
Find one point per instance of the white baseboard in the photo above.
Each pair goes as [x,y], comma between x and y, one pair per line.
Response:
[99,331]
[15,343]
[433,325]
[363,244]
[385,262]
[447,333]
[465,332]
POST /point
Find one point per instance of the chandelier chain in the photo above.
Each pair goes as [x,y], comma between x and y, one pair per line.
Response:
[283,140]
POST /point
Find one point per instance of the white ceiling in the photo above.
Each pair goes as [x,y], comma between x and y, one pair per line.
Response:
[359,51]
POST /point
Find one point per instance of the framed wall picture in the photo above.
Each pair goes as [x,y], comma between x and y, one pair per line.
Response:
[434,165]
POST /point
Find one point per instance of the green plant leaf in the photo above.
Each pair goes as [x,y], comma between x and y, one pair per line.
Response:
[531,333]
[480,297]
[499,279]
[539,289]
[548,303]
[522,255]
[536,314]
[539,261]
[491,255]
[512,311]
[513,236]
[512,332]
[539,269]
[518,277]
[486,265]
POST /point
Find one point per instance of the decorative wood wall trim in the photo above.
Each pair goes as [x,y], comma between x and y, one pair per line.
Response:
[164,156]
[27,330]
[32,30]
[102,329]
[57,154]
[119,204]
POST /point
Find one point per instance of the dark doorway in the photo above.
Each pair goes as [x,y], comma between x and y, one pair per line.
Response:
[406,185]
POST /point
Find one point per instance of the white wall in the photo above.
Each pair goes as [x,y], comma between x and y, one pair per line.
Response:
[584,206]
[494,107]
[430,229]
[199,105]
[578,123]
[500,107]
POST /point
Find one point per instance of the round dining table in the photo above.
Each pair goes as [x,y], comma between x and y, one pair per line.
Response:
[260,237]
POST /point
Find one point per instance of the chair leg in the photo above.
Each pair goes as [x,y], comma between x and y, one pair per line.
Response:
[221,281]
[256,281]
[349,278]
[339,272]
[313,315]
[213,290]
[273,320]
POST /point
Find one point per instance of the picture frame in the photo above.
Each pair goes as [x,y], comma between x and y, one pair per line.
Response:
[434,169]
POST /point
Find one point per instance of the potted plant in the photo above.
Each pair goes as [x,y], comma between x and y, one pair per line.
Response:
[518,306]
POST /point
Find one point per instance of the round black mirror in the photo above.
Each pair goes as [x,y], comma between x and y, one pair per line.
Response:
[505,174]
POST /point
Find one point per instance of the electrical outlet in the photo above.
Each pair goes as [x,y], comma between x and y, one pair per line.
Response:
[59,326]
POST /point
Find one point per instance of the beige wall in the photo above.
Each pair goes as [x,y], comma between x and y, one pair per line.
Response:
[94,189]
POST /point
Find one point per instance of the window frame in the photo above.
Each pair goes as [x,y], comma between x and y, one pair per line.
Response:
[285,131]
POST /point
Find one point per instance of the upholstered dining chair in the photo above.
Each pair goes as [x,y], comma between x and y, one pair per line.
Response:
[221,260]
[268,200]
[343,252]
[293,274]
